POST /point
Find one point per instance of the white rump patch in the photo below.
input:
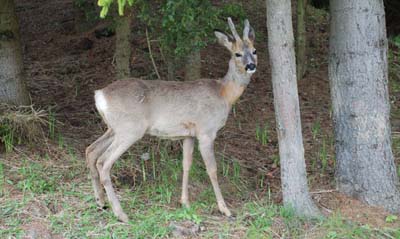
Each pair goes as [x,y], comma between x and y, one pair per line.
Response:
[101,102]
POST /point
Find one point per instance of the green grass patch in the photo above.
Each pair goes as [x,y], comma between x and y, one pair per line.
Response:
[152,202]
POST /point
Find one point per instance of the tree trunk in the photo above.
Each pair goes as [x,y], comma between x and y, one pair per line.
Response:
[301,39]
[358,71]
[193,66]
[123,45]
[286,103]
[12,85]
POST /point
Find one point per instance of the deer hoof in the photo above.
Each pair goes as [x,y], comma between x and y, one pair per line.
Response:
[226,212]
[231,218]
[100,203]
[224,209]
[123,217]
[185,203]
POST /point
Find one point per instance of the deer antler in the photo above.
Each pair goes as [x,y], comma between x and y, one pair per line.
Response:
[233,29]
[246,30]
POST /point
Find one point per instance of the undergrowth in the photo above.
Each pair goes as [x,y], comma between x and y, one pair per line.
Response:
[55,191]
[20,124]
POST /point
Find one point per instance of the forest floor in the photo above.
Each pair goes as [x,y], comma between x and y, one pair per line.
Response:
[45,189]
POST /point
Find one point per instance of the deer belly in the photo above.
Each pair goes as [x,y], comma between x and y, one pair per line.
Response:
[173,130]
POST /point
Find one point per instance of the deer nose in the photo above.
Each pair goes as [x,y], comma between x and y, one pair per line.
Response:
[250,67]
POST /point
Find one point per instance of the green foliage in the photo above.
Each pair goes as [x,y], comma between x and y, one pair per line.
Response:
[396,40]
[106,4]
[262,135]
[35,179]
[275,160]
[8,137]
[315,129]
[394,66]
[184,25]
[323,155]
[188,25]
[391,218]
[185,213]
[87,7]
[67,204]
[2,179]
[261,218]
[232,10]
[52,124]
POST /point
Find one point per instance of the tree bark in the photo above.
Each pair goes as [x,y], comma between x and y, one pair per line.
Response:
[286,103]
[123,45]
[358,72]
[301,39]
[193,66]
[12,85]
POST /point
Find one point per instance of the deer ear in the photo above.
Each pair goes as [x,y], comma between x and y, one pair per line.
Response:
[224,39]
[252,34]
[248,31]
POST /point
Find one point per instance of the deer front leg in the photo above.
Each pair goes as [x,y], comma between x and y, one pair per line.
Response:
[206,145]
[188,145]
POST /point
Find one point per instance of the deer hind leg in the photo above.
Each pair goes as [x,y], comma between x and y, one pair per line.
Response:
[206,145]
[121,142]
[188,145]
[93,152]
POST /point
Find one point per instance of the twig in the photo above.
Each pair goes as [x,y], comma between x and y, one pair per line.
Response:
[383,233]
[325,208]
[151,54]
[275,233]
[324,191]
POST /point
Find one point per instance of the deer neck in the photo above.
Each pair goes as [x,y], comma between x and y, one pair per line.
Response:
[234,83]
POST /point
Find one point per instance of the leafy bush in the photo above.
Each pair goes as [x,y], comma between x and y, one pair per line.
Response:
[184,25]
[187,25]
[396,40]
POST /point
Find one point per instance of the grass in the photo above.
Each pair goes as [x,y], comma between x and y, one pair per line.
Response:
[52,124]
[324,147]
[58,194]
[323,155]
[34,180]
[20,124]
[394,86]
[396,150]
[262,133]
[316,129]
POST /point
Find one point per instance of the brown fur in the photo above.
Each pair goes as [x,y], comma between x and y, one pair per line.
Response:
[231,92]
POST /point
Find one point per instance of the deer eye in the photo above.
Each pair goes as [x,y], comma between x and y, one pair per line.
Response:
[254,52]
[238,55]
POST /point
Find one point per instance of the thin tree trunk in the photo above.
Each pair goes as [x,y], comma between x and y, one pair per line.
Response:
[358,71]
[193,66]
[12,85]
[301,39]
[286,102]
[123,45]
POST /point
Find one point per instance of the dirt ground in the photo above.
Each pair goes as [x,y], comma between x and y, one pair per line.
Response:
[65,62]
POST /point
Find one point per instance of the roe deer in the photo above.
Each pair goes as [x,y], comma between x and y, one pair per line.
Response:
[169,109]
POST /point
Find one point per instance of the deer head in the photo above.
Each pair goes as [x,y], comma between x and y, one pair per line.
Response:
[243,53]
